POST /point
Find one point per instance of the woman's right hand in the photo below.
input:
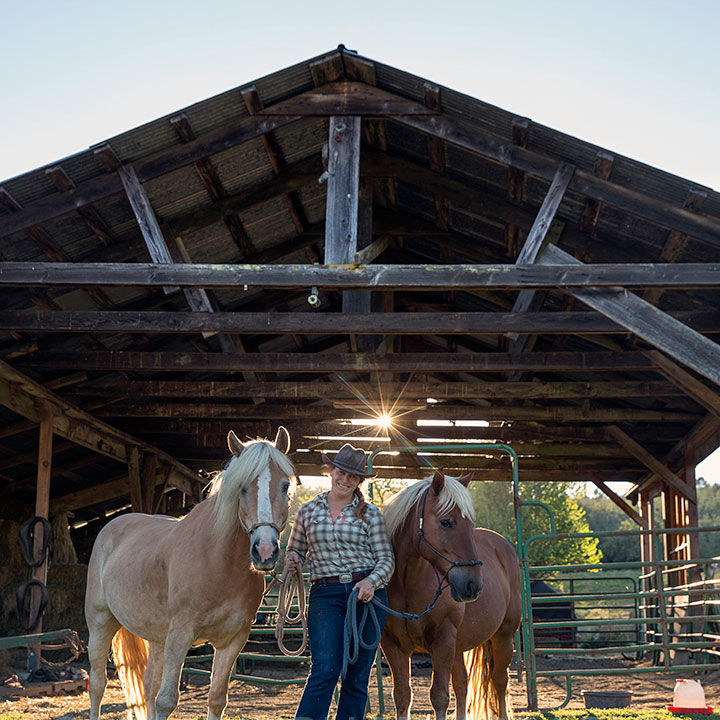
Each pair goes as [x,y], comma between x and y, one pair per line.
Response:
[292,563]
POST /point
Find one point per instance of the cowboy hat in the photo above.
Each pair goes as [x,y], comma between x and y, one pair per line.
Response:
[349,459]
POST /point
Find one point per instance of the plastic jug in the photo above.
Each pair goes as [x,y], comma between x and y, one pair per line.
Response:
[688,694]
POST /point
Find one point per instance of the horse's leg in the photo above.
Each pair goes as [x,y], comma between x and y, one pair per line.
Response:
[399,663]
[179,639]
[223,664]
[460,686]
[502,653]
[443,656]
[153,677]
[102,627]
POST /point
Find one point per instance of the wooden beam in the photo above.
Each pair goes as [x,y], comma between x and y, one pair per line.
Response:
[645,320]
[446,412]
[346,98]
[495,148]
[20,394]
[325,362]
[676,241]
[240,130]
[42,506]
[399,323]
[591,212]
[651,462]
[343,190]
[218,389]
[369,253]
[628,509]
[275,155]
[554,271]
[90,496]
[134,481]
[515,184]
[536,238]
[689,384]
[146,219]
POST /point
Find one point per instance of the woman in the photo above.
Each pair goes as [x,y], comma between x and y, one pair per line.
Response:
[344,541]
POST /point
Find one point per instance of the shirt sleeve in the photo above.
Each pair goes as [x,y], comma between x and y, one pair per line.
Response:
[298,535]
[381,550]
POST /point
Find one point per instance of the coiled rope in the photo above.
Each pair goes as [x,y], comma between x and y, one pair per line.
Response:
[291,586]
[353,631]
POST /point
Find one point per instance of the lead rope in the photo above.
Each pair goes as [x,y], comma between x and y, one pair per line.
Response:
[353,631]
[291,586]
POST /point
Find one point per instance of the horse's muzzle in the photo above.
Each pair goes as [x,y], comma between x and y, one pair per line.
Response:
[465,585]
[264,548]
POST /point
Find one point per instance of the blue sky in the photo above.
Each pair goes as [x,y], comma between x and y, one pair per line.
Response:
[637,77]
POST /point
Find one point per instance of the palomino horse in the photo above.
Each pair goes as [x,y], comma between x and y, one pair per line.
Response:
[164,584]
[431,525]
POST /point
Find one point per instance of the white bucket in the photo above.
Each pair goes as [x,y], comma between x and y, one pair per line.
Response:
[688,694]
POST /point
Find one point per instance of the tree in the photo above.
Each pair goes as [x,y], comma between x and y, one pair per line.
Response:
[494,510]
[604,516]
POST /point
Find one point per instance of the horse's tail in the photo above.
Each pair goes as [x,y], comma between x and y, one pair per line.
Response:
[482,697]
[130,654]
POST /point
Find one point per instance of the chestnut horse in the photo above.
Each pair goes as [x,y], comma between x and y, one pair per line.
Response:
[431,525]
[164,584]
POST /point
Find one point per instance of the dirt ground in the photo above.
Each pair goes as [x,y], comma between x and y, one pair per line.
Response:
[650,690]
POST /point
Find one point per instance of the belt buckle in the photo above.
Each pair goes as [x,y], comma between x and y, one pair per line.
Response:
[345,577]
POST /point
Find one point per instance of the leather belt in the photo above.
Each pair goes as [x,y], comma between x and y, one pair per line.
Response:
[344,578]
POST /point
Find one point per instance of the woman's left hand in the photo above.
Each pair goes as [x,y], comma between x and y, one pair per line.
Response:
[365,589]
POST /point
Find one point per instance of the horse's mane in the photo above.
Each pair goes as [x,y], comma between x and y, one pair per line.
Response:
[226,486]
[453,494]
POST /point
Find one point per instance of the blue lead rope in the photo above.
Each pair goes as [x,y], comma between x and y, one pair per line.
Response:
[353,631]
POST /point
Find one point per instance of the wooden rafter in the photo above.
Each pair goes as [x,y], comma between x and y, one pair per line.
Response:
[326,362]
[555,271]
[391,323]
[21,394]
[645,320]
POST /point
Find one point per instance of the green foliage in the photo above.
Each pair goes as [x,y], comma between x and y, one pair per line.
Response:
[603,515]
[494,510]
[383,489]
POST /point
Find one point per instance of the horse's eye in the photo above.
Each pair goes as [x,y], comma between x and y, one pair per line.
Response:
[447,523]
[285,485]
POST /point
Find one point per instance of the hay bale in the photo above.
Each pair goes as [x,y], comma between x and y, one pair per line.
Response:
[61,546]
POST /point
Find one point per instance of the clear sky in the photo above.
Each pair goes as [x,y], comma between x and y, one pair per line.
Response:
[637,77]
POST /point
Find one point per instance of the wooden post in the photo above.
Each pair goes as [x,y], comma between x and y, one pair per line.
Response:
[42,509]
[343,191]
[136,494]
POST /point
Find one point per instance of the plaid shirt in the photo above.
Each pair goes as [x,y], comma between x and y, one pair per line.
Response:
[345,545]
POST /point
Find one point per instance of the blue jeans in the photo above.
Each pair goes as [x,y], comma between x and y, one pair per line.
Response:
[326,619]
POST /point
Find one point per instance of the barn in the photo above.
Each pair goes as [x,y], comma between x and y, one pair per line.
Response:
[342,240]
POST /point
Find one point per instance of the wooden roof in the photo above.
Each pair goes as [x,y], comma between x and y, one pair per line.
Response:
[156,287]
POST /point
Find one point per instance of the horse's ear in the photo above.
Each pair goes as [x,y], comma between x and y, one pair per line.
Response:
[438,482]
[466,478]
[236,447]
[282,440]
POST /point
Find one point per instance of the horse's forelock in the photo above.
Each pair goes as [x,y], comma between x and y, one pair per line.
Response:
[453,494]
[240,471]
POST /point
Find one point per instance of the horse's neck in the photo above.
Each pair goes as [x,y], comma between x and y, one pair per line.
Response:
[232,541]
[405,544]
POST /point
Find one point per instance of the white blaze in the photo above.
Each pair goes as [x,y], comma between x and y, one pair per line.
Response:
[265,535]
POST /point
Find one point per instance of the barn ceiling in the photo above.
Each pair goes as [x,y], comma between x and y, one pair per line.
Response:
[337,241]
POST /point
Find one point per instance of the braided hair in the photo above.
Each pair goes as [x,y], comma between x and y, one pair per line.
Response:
[361,508]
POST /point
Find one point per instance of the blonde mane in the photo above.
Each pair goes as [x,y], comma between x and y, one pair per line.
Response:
[241,470]
[453,494]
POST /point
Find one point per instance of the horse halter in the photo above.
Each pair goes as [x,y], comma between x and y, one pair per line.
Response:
[273,525]
[421,537]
